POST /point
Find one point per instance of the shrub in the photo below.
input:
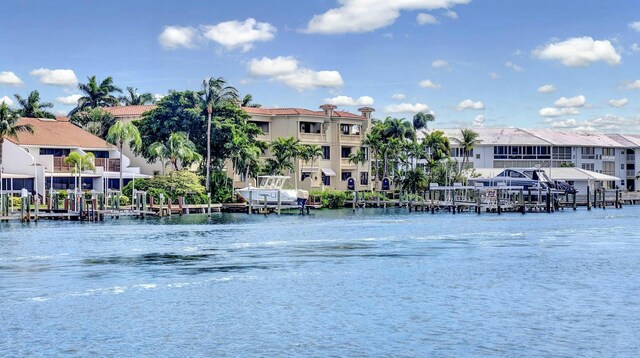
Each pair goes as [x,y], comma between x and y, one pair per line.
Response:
[173,185]
[124,200]
[331,198]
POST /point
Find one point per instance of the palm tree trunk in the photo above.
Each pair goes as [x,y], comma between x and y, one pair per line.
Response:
[208,150]
[121,181]
[385,164]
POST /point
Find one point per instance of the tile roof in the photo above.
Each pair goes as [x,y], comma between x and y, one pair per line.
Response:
[129,111]
[57,133]
[297,112]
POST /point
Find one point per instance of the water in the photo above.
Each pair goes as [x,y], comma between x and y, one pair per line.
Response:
[374,283]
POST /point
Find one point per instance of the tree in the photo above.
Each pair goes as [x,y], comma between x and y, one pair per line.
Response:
[32,107]
[468,142]
[95,120]
[96,95]
[132,98]
[398,128]
[284,151]
[415,181]
[247,101]
[358,158]
[178,149]
[309,153]
[80,163]
[438,145]
[121,132]
[420,120]
[215,92]
[9,128]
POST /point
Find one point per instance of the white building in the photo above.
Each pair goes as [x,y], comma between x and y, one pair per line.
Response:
[36,161]
[615,155]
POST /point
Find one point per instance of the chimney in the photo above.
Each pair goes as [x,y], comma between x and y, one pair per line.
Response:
[328,109]
[366,112]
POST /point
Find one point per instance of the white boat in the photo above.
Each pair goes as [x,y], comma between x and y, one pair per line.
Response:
[268,188]
[528,179]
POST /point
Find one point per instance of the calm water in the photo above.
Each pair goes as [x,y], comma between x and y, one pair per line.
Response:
[373,283]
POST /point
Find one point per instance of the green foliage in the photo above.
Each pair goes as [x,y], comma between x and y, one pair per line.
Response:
[133,98]
[173,185]
[95,120]
[32,107]
[96,95]
[124,200]
[331,198]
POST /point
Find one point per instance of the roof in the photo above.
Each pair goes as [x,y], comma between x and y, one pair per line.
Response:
[129,111]
[56,133]
[297,112]
[544,137]
[570,173]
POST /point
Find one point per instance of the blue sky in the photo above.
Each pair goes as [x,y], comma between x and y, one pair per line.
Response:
[480,62]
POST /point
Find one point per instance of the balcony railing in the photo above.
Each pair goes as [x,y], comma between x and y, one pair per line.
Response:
[109,164]
[631,173]
[631,157]
[311,137]
[59,166]
[346,163]
[351,138]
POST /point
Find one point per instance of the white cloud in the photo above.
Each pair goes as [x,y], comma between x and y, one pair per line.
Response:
[572,102]
[451,14]
[305,78]
[369,15]
[62,77]
[286,70]
[494,75]
[513,66]
[635,26]
[388,35]
[8,101]
[158,96]
[237,34]
[266,66]
[398,96]
[469,104]
[407,108]
[429,84]
[479,121]
[440,64]
[634,85]
[426,19]
[579,52]
[10,78]
[547,89]
[557,112]
[173,37]
[349,101]
[634,47]
[565,123]
[605,123]
[618,103]
[69,100]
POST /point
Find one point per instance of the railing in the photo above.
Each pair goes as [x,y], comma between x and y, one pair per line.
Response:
[311,137]
[59,166]
[610,158]
[109,164]
[631,173]
[346,163]
[631,157]
[351,138]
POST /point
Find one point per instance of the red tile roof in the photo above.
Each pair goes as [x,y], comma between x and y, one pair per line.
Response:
[297,112]
[129,111]
[58,133]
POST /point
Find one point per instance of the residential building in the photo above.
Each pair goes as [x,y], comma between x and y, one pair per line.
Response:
[338,133]
[611,154]
[36,161]
[128,114]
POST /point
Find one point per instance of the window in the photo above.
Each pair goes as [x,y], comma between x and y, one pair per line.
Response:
[588,153]
[562,153]
[305,175]
[326,180]
[345,176]
[478,156]
[264,126]
[344,128]
[609,168]
[310,127]
[345,151]
[622,166]
[56,152]
[66,183]
[588,166]
[364,178]
[104,154]
[326,152]
[350,129]
[610,152]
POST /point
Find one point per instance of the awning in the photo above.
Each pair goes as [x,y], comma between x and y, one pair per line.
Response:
[328,172]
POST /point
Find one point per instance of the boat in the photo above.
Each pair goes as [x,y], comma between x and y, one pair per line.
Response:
[528,178]
[269,188]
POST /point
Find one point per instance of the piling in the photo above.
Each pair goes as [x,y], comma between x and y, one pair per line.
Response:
[208,204]
[250,208]
[279,202]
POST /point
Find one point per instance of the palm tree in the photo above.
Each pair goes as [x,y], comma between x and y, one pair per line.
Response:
[311,153]
[80,163]
[247,101]
[121,132]
[182,149]
[132,98]
[285,151]
[415,180]
[398,128]
[32,107]
[97,95]
[9,128]
[214,93]
[373,141]
[420,120]
[95,120]
[358,158]
[438,145]
[468,141]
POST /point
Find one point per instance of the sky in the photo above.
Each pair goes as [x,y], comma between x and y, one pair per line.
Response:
[567,64]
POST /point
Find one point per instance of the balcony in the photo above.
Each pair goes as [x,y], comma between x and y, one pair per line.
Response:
[631,173]
[109,164]
[351,139]
[609,158]
[59,166]
[344,163]
[311,137]
[631,158]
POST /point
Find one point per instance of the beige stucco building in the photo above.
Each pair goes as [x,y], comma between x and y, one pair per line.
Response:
[338,133]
